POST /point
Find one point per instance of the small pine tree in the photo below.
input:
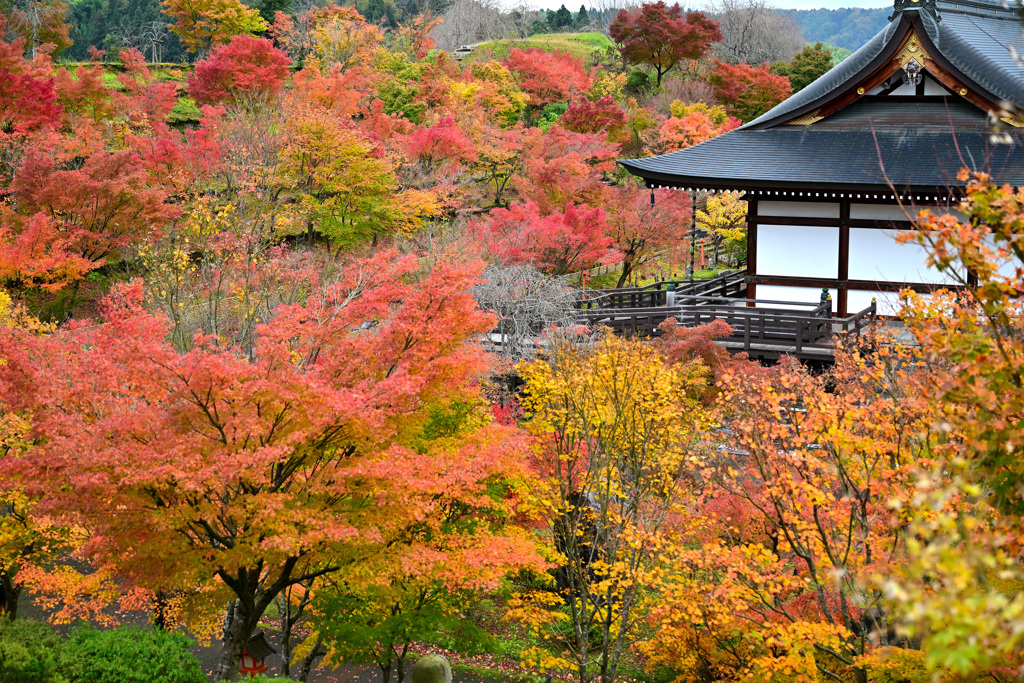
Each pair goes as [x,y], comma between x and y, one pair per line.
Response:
[806,66]
[268,8]
[582,17]
[563,17]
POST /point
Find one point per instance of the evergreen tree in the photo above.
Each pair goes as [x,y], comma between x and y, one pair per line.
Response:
[379,11]
[269,7]
[582,17]
[562,17]
[806,67]
[113,24]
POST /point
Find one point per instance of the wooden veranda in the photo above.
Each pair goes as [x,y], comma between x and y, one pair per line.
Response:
[762,328]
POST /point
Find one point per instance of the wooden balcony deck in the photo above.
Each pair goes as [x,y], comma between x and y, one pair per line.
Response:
[761,328]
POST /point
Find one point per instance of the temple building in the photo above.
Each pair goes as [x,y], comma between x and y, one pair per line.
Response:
[835,171]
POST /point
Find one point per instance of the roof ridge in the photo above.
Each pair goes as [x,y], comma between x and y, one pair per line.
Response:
[979,8]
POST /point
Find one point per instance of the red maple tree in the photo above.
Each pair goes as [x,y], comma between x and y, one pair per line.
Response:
[549,76]
[661,36]
[245,66]
[558,243]
[748,91]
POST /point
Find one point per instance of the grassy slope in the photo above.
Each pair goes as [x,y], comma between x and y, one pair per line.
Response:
[577,44]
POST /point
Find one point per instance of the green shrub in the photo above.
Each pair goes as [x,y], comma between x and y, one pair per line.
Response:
[30,652]
[130,655]
[551,113]
[185,110]
[638,82]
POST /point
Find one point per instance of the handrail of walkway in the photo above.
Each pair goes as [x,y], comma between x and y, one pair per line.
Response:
[802,331]
[728,284]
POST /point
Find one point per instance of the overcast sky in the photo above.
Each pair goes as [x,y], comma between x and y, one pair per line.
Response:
[574,5]
[815,4]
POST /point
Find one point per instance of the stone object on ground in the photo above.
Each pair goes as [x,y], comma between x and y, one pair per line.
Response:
[432,669]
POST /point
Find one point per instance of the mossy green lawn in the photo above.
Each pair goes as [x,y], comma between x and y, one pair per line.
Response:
[577,44]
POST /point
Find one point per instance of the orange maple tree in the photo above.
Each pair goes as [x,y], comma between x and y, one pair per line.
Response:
[238,476]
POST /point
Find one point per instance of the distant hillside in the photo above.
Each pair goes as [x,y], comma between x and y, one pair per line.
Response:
[578,44]
[847,27]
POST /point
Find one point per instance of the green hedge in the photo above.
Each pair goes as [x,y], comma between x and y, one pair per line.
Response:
[31,652]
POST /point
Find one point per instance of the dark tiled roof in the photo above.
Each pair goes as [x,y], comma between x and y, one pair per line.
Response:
[833,79]
[979,39]
[851,159]
[975,36]
[912,140]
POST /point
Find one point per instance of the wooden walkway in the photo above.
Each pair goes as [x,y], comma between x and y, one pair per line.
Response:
[761,328]
[729,284]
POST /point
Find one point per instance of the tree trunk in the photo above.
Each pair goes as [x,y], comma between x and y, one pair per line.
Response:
[9,592]
[235,637]
[400,670]
[627,269]
[160,611]
[286,633]
[240,620]
[385,672]
[232,643]
[307,661]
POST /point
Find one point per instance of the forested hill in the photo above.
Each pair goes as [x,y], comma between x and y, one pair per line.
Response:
[847,27]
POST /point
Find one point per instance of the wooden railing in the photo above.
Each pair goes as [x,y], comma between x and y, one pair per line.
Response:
[758,326]
[728,284]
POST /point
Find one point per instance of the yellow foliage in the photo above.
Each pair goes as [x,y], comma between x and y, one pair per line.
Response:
[344,43]
[616,431]
[725,215]
[725,218]
[716,115]
[14,314]
[895,665]
[496,90]
[608,84]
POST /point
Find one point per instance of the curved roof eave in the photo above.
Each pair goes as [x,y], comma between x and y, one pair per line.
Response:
[980,45]
[800,157]
[835,78]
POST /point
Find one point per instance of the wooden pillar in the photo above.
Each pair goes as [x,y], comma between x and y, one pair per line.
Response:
[844,256]
[751,246]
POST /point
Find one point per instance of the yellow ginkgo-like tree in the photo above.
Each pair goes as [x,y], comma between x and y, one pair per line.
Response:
[615,430]
[201,24]
[725,220]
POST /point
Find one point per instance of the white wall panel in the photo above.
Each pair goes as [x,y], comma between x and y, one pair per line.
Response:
[888,302]
[781,293]
[797,251]
[876,255]
[904,91]
[892,212]
[881,212]
[800,209]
